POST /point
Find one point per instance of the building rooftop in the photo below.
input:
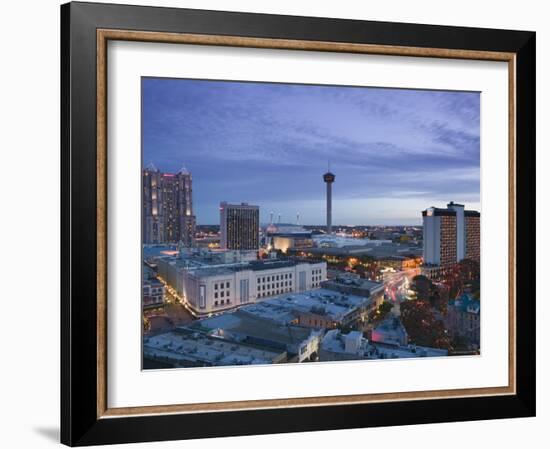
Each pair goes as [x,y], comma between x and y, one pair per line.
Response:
[388,351]
[273,311]
[339,241]
[286,230]
[187,346]
[225,204]
[449,210]
[159,250]
[204,267]
[333,305]
[150,167]
[354,282]
[467,303]
[380,250]
[392,325]
[334,342]
[247,327]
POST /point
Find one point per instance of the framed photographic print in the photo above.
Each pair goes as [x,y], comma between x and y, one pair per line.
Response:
[281,224]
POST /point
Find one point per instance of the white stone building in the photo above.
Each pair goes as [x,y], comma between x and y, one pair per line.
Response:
[210,289]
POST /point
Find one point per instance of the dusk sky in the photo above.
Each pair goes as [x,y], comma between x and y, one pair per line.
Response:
[394,152]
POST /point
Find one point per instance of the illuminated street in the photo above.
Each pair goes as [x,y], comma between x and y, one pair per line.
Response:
[397,285]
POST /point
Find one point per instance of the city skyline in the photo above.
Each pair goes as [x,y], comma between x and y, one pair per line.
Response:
[393,151]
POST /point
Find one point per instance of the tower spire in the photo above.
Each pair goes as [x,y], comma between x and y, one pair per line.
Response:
[329,178]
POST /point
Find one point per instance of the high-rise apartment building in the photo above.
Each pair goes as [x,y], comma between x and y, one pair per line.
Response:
[239,226]
[472,220]
[450,235]
[167,207]
[152,212]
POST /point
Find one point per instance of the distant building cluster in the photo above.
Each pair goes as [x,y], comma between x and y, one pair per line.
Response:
[262,293]
[167,207]
[287,328]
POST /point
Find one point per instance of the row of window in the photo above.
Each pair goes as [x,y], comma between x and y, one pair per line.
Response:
[275,285]
[278,277]
[274,292]
[223,302]
[221,285]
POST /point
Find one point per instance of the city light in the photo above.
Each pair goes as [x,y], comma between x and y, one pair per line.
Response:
[362,286]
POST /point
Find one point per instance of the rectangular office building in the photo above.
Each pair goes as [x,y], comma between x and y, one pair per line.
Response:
[239,226]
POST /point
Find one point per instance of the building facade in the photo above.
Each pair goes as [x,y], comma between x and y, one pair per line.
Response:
[152,212]
[239,226]
[450,235]
[463,320]
[167,207]
[152,293]
[473,233]
[215,288]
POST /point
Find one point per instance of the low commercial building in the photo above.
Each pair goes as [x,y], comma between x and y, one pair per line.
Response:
[297,242]
[152,290]
[319,309]
[390,331]
[299,342]
[353,284]
[208,287]
[286,236]
[186,348]
[337,346]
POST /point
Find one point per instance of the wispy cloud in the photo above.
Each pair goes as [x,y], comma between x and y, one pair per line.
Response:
[270,143]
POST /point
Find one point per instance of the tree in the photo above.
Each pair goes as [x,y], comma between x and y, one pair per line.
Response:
[422,286]
[461,276]
[382,311]
[422,326]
